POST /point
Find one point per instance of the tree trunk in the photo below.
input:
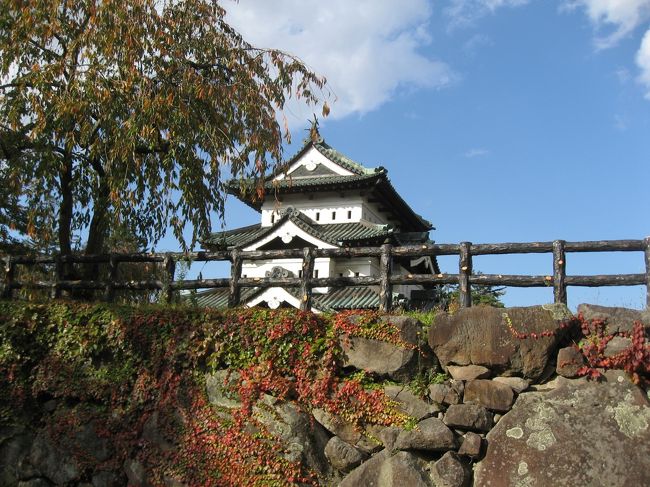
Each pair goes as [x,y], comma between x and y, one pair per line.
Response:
[65,218]
[65,209]
[97,232]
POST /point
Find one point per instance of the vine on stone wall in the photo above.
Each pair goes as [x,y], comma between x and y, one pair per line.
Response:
[129,371]
[592,345]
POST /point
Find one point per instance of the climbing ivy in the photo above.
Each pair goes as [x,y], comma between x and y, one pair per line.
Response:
[120,367]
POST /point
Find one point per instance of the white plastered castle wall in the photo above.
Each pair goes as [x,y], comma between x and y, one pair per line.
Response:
[345,207]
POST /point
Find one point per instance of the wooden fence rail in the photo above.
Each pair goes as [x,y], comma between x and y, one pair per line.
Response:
[386,280]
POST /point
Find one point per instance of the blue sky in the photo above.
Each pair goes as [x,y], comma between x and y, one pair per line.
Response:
[498,120]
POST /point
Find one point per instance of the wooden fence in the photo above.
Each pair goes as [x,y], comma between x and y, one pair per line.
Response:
[465,279]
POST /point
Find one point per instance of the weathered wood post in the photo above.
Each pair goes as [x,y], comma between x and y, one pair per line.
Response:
[464,271]
[559,272]
[55,292]
[234,296]
[647,272]
[109,289]
[385,287]
[9,271]
[170,269]
[308,262]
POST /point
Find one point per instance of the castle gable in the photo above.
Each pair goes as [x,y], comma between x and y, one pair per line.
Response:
[312,163]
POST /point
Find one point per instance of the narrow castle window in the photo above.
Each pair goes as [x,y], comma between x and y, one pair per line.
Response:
[349,214]
[333,215]
[318,216]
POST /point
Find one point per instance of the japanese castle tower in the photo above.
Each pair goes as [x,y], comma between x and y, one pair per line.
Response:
[323,199]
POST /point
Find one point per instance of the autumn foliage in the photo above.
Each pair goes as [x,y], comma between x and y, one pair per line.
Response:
[123,368]
[591,342]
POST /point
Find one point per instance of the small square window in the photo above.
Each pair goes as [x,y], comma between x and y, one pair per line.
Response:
[356,274]
[340,274]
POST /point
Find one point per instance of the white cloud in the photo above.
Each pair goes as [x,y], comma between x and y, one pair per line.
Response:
[367,49]
[476,153]
[477,41]
[643,61]
[623,75]
[465,12]
[619,17]
[620,122]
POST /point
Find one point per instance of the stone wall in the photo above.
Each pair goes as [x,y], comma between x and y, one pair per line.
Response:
[502,411]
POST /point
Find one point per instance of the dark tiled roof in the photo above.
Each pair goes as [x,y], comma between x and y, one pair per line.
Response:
[336,299]
[347,298]
[218,297]
[297,185]
[334,233]
[236,237]
[348,232]
[324,182]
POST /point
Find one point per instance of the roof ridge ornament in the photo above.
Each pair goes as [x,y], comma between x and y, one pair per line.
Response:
[313,133]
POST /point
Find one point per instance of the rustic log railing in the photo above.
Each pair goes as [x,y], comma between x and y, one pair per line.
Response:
[386,280]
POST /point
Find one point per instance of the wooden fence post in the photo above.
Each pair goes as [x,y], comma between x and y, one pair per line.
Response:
[559,272]
[55,293]
[109,289]
[385,287]
[170,269]
[464,271]
[9,271]
[647,271]
[308,262]
[234,296]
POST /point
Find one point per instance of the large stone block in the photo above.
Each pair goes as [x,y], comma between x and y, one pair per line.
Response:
[304,440]
[386,470]
[585,433]
[451,471]
[468,372]
[493,395]
[15,446]
[347,431]
[618,319]
[569,361]
[409,403]
[480,336]
[343,456]
[52,461]
[469,417]
[472,445]
[430,434]
[382,358]
[445,393]
[218,385]
[517,384]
